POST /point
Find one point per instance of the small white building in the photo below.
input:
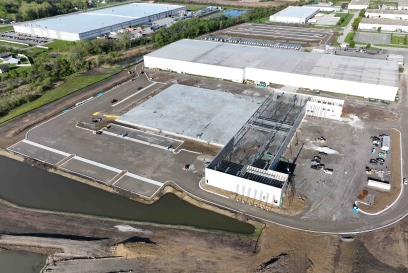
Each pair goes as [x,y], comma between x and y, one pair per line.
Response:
[387,14]
[385,144]
[402,5]
[384,24]
[382,185]
[294,15]
[358,4]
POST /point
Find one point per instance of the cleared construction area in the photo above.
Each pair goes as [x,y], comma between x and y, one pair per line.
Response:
[195,113]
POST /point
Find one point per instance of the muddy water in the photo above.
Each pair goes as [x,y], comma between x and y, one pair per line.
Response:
[32,187]
[14,262]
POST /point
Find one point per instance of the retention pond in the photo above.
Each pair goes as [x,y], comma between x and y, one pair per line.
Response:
[14,262]
[32,187]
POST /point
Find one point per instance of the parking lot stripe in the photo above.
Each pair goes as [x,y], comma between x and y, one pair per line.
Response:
[45,147]
[145,179]
[125,99]
[97,164]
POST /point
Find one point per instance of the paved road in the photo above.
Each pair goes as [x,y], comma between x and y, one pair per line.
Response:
[347,29]
[61,133]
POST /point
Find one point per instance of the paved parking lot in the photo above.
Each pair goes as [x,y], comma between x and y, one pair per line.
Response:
[33,151]
[23,38]
[136,186]
[278,33]
[372,38]
[348,145]
[104,156]
[81,166]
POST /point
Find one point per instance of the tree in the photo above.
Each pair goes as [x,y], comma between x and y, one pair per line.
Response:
[379,29]
[368,46]
[352,44]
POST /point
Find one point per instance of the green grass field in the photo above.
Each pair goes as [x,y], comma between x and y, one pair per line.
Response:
[347,20]
[13,45]
[194,7]
[340,14]
[397,40]
[59,45]
[3,29]
[348,37]
[70,86]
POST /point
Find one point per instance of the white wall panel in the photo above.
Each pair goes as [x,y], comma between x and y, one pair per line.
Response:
[243,186]
[233,74]
[325,84]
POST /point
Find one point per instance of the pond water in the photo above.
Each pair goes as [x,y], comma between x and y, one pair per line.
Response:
[31,187]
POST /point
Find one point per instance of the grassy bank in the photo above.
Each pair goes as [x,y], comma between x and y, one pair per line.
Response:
[3,29]
[70,86]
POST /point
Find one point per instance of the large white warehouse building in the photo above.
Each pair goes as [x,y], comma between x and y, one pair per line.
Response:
[89,25]
[387,14]
[362,77]
[297,15]
[384,24]
[358,4]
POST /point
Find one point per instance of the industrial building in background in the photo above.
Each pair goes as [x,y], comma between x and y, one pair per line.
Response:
[91,24]
[384,24]
[369,78]
[294,15]
[387,14]
[358,4]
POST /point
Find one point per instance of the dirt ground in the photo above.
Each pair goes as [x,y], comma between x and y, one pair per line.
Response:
[370,112]
[153,248]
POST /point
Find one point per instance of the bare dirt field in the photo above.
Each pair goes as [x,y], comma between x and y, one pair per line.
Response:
[148,248]
[370,111]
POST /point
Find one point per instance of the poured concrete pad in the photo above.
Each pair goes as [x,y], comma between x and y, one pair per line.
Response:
[136,186]
[37,153]
[90,170]
[190,111]
[145,137]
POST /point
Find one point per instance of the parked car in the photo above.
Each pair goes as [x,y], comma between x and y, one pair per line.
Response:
[114,100]
[405,181]
[140,88]
[315,161]
[97,132]
[328,171]
[373,161]
[382,160]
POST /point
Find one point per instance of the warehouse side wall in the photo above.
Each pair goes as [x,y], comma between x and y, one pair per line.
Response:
[325,84]
[227,73]
[366,26]
[387,16]
[244,187]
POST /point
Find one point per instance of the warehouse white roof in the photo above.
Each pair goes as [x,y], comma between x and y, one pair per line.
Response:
[387,11]
[387,22]
[297,12]
[359,2]
[371,71]
[100,18]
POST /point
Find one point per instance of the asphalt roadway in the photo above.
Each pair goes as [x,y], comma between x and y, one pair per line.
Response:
[161,165]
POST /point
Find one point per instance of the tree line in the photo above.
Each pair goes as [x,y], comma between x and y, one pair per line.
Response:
[26,10]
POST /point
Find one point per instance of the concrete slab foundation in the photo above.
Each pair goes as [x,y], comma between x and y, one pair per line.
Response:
[194,112]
